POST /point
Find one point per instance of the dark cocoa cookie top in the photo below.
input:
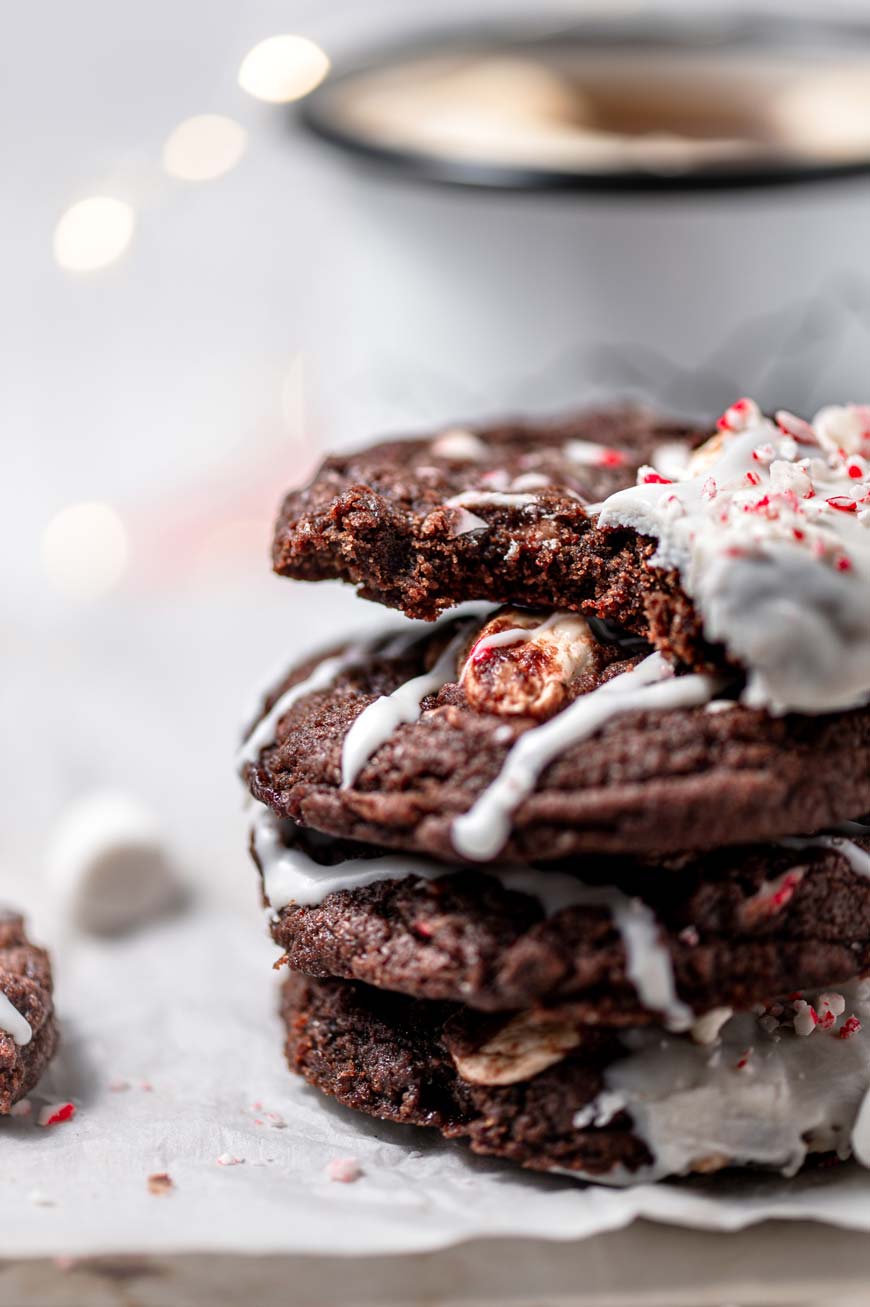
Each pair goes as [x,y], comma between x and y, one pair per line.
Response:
[736,927]
[495,513]
[639,775]
[28,1032]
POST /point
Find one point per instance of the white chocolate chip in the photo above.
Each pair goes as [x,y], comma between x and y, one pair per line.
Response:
[527,1045]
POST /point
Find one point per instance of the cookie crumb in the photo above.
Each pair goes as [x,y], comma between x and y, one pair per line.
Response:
[344,1170]
[160,1184]
[118,1086]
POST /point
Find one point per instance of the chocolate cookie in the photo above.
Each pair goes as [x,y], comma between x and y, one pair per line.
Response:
[752,552]
[531,739]
[557,1095]
[731,928]
[28,1031]
[497,513]
[388,1056]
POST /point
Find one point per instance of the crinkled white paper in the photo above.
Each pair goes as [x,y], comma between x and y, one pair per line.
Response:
[185,1014]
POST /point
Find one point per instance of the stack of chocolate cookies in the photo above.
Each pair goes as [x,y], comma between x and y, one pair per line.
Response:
[577,872]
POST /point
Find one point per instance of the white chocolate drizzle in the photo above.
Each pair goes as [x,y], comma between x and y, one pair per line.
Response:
[761,1096]
[769,528]
[376,723]
[290,875]
[857,858]
[512,635]
[322,677]
[481,832]
[13,1022]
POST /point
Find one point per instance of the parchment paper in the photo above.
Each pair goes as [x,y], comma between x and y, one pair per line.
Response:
[188,1008]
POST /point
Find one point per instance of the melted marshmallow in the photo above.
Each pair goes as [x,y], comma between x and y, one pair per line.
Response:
[778,573]
[13,1023]
[484,829]
[760,1097]
[290,875]
[376,723]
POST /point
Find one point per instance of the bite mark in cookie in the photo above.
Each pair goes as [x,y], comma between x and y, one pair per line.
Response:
[498,513]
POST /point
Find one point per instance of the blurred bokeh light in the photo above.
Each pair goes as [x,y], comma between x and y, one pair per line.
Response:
[85,550]
[204,147]
[283,68]
[93,233]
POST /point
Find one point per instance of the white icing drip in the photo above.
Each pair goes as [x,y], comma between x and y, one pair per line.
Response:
[480,833]
[460,445]
[13,1022]
[791,1095]
[858,860]
[376,723]
[323,676]
[291,876]
[648,962]
[778,573]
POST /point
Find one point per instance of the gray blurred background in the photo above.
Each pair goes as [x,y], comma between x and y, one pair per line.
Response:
[155,408]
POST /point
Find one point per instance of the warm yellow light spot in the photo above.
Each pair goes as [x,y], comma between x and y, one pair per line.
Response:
[84,550]
[283,68]
[93,233]
[204,147]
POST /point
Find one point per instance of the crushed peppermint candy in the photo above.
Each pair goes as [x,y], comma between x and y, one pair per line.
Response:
[851,1026]
[227,1159]
[768,526]
[56,1113]
[805,1017]
[344,1170]
[23,1107]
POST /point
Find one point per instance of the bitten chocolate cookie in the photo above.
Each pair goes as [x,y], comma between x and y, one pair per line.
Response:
[497,513]
[727,930]
[525,736]
[556,1095]
[750,551]
[28,1030]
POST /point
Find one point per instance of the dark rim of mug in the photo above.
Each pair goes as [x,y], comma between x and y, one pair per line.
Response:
[751,32]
